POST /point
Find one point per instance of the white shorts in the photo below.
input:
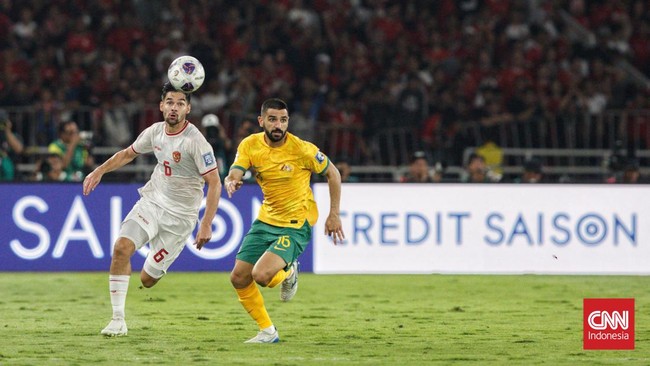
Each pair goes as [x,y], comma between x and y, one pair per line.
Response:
[165,233]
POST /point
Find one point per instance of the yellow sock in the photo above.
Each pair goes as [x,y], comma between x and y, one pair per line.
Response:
[278,278]
[251,298]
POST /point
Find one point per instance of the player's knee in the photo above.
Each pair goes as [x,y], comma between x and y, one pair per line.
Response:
[148,283]
[147,280]
[124,248]
[262,278]
[239,280]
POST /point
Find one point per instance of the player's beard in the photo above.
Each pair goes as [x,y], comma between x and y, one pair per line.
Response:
[274,138]
[171,122]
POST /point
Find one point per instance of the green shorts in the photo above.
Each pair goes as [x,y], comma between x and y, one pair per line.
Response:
[286,242]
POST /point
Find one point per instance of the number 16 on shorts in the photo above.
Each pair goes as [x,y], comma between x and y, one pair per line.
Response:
[283,243]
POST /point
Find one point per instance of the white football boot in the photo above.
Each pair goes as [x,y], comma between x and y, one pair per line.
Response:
[265,337]
[290,284]
[116,328]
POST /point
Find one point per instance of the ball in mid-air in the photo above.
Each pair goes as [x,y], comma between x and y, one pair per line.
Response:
[186,74]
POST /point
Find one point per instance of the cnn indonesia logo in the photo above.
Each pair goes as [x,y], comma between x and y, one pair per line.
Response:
[608,323]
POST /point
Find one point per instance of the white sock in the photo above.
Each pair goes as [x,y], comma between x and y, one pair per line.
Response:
[269,330]
[118,286]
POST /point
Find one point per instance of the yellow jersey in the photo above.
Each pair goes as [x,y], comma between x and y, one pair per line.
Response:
[284,174]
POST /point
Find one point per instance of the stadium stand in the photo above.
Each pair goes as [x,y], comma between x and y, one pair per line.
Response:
[566,81]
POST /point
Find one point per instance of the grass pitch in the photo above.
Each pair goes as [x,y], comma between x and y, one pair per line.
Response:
[195,319]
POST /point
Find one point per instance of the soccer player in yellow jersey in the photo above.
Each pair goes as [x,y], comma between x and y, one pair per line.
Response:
[268,255]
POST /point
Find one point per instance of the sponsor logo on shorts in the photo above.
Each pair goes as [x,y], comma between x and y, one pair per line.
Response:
[143,219]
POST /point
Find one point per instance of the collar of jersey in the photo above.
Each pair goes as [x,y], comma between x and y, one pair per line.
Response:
[179,132]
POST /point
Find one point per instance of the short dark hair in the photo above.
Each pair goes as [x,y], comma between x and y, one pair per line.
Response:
[167,87]
[63,124]
[533,165]
[475,156]
[273,103]
[417,155]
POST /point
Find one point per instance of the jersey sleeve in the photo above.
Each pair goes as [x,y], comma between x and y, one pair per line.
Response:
[144,143]
[315,160]
[242,159]
[204,157]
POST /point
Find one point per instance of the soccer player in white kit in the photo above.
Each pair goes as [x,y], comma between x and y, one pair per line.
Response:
[167,210]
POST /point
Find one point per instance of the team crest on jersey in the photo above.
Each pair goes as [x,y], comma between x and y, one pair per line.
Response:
[176,155]
[320,157]
[208,159]
[286,168]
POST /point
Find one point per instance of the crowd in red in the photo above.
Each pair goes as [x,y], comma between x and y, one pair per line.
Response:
[429,66]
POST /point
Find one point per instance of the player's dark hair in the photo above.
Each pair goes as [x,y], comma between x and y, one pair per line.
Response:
[273,103]
[167,87]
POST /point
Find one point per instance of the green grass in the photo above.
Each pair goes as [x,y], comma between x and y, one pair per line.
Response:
[195,319]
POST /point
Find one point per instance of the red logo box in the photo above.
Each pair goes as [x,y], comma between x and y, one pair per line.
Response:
[608,323]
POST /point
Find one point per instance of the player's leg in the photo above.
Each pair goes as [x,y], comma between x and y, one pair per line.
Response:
[120,274]
[282,257]
[132,237]
[165,247]
[162,254]
[249,295]
[118,284]
[121,261]
[269,270]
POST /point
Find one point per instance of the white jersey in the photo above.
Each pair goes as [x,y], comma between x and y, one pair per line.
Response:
[176,184]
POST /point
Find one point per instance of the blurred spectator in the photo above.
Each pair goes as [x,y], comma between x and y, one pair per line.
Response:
[492,155]
[418,170]
[629,173]
[11,147]
[477,171]
[412,103]
[47,115]
[343,166]
[211,99]
[215,134]
[303,120]
[25,30]
[243,130]
[50,169]
[117,121]
[532,172]
[77,160]
[345,137]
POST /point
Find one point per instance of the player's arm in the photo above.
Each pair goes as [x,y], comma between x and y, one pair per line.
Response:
[234,180]
[212,195]
[333,226]
[118,160]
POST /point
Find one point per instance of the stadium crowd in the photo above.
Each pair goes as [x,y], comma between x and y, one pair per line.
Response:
[430,68]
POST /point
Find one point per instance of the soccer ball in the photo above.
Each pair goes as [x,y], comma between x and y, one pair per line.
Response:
[186,74]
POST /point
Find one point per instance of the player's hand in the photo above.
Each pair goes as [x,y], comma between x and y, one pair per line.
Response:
[232,186]
[203,236]
[334,228]
[91,181]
